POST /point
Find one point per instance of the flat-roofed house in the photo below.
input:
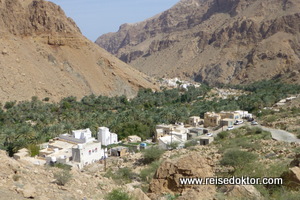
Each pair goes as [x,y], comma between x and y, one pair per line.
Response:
[88,153]
[166,141]
[195,121]
[106,137]
[212,119]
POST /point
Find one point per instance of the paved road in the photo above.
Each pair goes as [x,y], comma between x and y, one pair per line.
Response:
[279,135]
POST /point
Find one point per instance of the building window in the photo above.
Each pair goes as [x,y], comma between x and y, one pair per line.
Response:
[90,152]
[96,149]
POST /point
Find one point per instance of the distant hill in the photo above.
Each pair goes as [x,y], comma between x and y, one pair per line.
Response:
[215,41]
[43,53]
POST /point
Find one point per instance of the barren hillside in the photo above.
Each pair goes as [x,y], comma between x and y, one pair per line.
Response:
[215,41]
[43,53]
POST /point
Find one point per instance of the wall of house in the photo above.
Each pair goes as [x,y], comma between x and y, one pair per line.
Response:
[211,120]
[88,153]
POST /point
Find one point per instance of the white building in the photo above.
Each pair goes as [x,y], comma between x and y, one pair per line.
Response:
[88,153]
[78,136]
[57,152]
[106,137]
[178,130]
[243,114]
[166,141]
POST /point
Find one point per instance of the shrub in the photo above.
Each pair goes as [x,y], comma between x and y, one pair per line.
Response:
[62,177]
[148,173]
[122,175]
[125,174]
[61,166]
[46,99]
[9,104]
[237,158]
[152,154]
[16,177]
[118,194]
[33,150]
[190,143]
[271,118]
[222,135]
[173,145]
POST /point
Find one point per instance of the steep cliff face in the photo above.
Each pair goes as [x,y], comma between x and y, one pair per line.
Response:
[215,41]
[43,53]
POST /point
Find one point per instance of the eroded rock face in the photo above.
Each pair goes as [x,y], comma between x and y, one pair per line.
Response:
[44,54]
[166,179]
[214,41]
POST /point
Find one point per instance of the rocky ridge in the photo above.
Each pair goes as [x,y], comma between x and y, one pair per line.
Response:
[44,54]
[214,41]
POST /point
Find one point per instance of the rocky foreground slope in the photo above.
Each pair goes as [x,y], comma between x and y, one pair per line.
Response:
[215,41]
[43,53]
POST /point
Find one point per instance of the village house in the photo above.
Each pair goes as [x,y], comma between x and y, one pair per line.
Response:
[205,140]
[223,118]
[119,151]
[195,132]
[178,130]
[87,153]
[57,152]
[106,137]
[195,121]
[78,136]
[227,122]
[167,141]
[211,119]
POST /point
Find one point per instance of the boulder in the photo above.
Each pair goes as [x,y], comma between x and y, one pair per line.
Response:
[242,192]
[29,191]
[139,194]
[291,178]
[166,178]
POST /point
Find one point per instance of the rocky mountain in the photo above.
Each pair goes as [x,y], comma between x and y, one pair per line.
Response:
[215,41]
[44,54]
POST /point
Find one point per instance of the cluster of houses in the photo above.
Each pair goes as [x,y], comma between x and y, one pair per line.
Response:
[197,128]
[80,148]
[212,119]
[76,149]
[176,82]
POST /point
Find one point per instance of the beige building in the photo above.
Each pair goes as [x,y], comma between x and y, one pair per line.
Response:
[204,140]
[195,121]
[178,129]
[230,115]
[227,122]
[119,151]
[212,119]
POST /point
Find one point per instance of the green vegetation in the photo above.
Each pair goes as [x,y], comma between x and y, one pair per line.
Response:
[190,143]
[237,158]
[37,121]
[240,149]
[148,173]
[152,154]
[118,194]
[62,166]
[33,150]
[62,177]
[122,175]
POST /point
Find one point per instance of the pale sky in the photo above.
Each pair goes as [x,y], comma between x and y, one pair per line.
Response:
[96,17]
